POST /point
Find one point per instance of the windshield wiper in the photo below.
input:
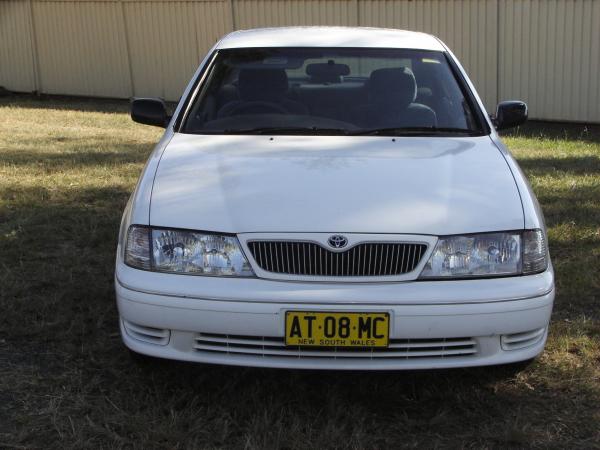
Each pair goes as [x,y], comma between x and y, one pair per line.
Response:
[414,131]
[283,130]
[395,131]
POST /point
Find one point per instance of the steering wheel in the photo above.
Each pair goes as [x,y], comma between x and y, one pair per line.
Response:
[256,107]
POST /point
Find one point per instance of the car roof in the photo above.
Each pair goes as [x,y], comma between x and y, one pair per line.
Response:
[330,37]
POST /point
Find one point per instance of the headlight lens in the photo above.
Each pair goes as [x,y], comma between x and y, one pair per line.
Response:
[188,252]
[487,254]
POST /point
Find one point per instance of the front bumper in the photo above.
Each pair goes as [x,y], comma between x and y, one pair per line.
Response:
[440,324]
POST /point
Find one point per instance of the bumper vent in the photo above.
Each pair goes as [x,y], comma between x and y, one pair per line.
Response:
[275,347]
[518,341]
[149,335]
[363,260]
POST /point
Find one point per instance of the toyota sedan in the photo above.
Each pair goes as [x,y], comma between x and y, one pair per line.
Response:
[333,198]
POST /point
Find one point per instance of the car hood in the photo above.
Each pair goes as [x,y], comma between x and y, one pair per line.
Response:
[349,184]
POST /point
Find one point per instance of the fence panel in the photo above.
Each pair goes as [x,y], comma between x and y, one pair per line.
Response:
[16,49]
[81,48]
[550,57]
[168,39]
[546,52]
[268,13]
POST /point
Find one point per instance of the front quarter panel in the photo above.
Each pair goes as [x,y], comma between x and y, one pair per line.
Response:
[137,210]
[532,212]
[533,216]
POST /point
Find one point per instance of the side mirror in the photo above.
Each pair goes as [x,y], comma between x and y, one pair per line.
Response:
[510,114]
[150,111]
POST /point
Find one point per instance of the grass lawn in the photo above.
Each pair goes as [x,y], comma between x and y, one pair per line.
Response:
[66,170]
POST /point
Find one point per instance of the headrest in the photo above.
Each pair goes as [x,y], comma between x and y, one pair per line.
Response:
[394,86]
[262,84]
[328,72]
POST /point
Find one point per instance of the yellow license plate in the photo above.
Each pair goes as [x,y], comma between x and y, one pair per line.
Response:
[337,329]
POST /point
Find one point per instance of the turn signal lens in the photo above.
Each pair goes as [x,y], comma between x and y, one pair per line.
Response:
[137,249]
[535,252]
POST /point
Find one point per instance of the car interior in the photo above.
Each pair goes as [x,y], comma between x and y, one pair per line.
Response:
[356,94]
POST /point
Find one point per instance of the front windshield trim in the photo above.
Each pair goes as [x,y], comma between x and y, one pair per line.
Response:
[469,95]
[480,127]
[181,120]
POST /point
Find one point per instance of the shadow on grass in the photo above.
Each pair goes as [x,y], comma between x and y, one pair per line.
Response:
[65,103]
[57,258]
[71,103]
[66,379]
[571,208]
[79,154]
[554,130]
[577,205]
[63,358]
[112,400]
[584,165]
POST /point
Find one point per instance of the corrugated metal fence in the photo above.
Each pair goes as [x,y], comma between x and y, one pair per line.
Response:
[546,52]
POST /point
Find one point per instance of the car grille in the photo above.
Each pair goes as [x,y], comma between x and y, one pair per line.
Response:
[275,347]
[362,260]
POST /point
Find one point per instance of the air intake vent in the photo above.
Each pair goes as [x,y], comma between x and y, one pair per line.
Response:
[363,260]
[518,341]
[275,347]
[147,334]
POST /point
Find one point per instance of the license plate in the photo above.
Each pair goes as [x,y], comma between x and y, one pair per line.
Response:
[337,329]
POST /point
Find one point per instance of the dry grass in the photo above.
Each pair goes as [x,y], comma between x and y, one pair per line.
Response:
[66,170]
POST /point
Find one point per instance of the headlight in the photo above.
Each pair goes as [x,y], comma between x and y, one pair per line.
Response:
[488,254]
[188,252]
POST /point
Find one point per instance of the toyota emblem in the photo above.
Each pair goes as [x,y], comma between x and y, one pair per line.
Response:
[338,241]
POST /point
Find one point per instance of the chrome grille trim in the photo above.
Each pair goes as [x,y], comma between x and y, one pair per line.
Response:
[369,259]
[265,346]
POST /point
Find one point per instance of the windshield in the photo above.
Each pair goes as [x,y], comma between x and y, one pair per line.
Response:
[330,91]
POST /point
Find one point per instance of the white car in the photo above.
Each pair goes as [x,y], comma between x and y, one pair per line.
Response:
[333,198]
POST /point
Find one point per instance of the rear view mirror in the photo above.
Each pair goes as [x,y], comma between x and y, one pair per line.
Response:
[150,111]
[510,114]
